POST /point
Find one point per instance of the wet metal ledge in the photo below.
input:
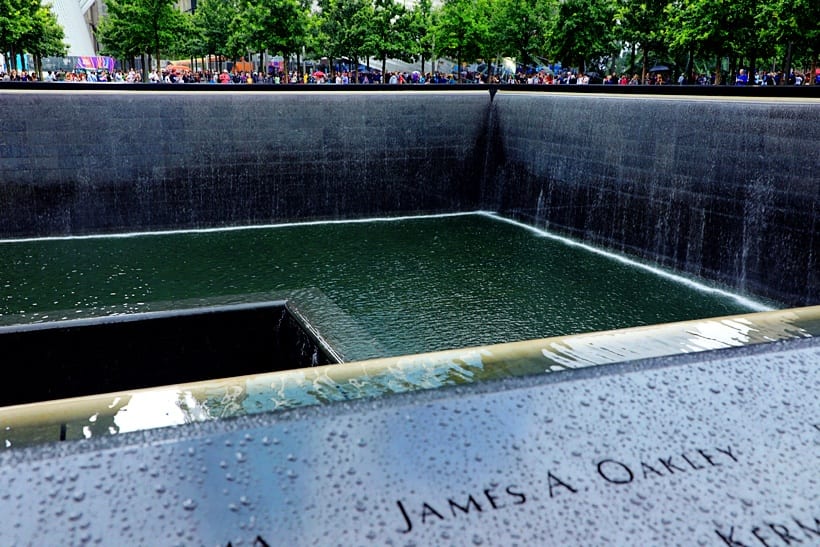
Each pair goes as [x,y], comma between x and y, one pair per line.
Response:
[143,409]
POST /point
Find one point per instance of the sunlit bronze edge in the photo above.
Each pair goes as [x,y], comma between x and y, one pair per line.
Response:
[511,355]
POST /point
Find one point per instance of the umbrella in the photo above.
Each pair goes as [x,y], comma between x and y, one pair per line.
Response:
[318,74]
[659,68]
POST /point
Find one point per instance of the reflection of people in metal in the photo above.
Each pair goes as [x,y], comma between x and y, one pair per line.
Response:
[74,420]
[100,424]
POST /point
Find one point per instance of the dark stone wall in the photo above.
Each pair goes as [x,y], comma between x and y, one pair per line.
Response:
[725,189]
[63,359]
[103,160]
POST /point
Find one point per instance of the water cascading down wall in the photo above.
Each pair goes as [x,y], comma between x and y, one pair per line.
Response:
[722,188]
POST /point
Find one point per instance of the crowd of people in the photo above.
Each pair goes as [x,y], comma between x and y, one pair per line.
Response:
[344,77]
[762,77]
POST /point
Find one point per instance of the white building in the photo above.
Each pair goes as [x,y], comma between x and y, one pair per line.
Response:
[74,17]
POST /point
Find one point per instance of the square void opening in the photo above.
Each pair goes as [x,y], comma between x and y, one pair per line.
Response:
[91,356]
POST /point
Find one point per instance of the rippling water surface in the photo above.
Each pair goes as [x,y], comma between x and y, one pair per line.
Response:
[406,286]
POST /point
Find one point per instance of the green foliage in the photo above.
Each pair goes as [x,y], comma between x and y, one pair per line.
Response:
[420,25]
[792,22]
[276,26]
[186,40]
[26,26]
[16,19]
[390,38]
[695,25]
[46,35]
[291,30]
[212,20]
[519,28]
[142,26]
[114,34]
[462,30]
[346,28]
[581,32]
[644,22]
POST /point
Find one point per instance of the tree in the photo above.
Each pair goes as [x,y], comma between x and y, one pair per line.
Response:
[642,22]
[697,26]
[264,26]
[44,38]
[793,24]
[212,20]
[717,30]
[114,38]
[345,29]
[186,41]
[246,29]
[420,24]
[28,27]
[147,26]
[581,31]
[519,27]
[390,38]
[292,29]
[268,25]
[461,28]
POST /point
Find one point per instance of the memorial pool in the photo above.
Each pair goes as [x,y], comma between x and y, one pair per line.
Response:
[373,288]
[428,448]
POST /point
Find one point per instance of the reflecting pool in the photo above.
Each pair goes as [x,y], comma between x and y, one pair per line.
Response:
[374,288]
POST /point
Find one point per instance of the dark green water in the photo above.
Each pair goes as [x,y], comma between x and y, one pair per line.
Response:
[401,287]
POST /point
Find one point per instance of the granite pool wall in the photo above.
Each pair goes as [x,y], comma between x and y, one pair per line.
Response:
[722,185]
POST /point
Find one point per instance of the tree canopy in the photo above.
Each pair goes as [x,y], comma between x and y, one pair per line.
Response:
[710,36]
[27,26]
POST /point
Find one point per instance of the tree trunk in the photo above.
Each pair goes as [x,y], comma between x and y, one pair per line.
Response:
[753,66]
[787,65]
[690,67]
[458,68]
[644,62]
